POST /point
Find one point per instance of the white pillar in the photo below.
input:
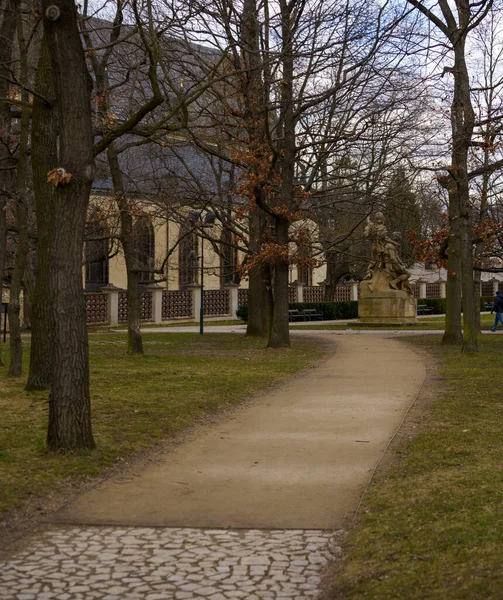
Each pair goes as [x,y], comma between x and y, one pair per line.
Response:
[299,290]
[195,288]
[156,291]
[422,288]
[443,289]
[113,304]
[233,298]
[354,289]
[495,286]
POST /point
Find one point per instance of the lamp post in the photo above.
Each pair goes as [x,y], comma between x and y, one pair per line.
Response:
[202,222]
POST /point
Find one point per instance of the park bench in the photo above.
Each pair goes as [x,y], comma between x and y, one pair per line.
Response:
[424,309]
[312,314]
[490,306]
[308,314]
[296,315]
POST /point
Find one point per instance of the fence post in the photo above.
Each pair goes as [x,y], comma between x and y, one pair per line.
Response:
[156,291]
[443,289]
[299,290]
[422,288]
[113,303]
[233,298]
[353,285]
[195,288]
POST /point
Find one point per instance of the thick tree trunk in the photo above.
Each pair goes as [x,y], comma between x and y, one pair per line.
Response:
[257,314]
[460,249]
[267,278]
[479,248]
[44,159]
[21,258]
[463,120]
[7,32]
[255,118]
[453,334]
[69,400]
[16,344]
[279,334]
[135,342]
[28,290]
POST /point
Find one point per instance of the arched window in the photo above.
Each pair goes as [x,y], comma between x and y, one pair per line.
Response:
[228,258]
[144,238]
[187,256]
[96,253]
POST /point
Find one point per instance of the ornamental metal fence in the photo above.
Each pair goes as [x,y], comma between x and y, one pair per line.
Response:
[96,308]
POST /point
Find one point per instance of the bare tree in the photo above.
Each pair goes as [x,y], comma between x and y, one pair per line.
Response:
[455,26]
[288,62]
[7,36]
[69,400]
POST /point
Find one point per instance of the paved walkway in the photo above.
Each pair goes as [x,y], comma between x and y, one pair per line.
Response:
[250,507]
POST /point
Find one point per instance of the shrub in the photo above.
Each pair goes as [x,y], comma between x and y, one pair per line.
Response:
[242,313]
[331,311]
[436,304]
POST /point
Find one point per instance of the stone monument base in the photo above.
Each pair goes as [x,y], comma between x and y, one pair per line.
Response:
[391,307]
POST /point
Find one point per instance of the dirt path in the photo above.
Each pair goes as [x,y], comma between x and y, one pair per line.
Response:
[247,508]
[296,458]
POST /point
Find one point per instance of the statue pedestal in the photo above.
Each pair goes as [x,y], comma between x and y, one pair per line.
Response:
[386,307]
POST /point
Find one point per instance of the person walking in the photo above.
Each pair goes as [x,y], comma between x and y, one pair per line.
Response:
[498,309]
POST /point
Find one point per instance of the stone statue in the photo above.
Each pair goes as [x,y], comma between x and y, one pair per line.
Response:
[378,233]
[386,269]
[385,294]
[395,265]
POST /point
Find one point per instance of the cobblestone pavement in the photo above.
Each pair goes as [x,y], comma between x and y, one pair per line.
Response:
[131,563]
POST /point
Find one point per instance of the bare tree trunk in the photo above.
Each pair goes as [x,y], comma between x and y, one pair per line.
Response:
[28,291]
[69,401]
[7,32]
[257,321]
[135,342]
[21,258]
[279,335]
[44,159]
[16,344]
[452,333]
[460,248]
[256,115]
[335,270]
[479,247]
[463,120]
[267,278]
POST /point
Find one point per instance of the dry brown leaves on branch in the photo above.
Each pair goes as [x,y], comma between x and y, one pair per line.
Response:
[58,177]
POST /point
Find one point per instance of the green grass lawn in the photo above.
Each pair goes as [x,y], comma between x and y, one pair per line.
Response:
[137,401]
[432,527]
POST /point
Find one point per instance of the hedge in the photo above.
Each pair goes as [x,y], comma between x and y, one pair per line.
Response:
[438,304]
[331,310]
